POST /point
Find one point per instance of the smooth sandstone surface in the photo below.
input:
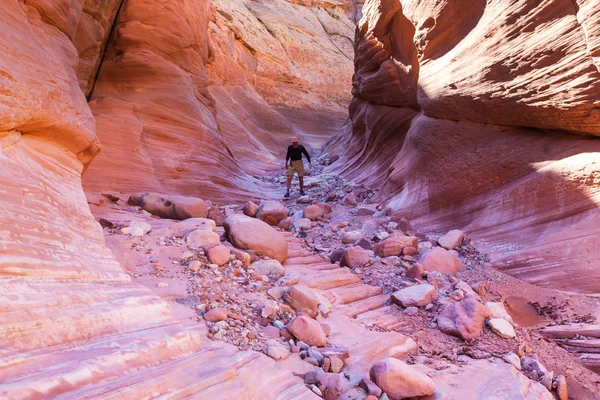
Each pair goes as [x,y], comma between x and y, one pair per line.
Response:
[72,322]
[482,116]
[196,110]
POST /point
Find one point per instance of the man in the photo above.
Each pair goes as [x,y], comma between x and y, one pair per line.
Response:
[294,155]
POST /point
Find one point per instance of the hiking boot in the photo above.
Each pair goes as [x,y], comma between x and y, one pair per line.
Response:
[286,195]
[302,193]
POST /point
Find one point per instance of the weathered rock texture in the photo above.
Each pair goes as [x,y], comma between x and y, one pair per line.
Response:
[194,109]
[485,115]
[72,324]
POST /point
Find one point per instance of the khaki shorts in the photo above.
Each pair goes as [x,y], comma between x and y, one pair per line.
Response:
[296,166]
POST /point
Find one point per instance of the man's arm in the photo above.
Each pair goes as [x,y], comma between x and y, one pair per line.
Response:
[307,155]
[287,157]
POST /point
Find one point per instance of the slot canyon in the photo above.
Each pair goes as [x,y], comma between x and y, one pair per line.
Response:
[444,243]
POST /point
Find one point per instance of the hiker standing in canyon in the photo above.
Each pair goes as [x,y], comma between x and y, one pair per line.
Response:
[294,156]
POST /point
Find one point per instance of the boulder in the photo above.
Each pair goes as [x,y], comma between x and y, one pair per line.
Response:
[354,257]
[441,260]
[216,314]
[201,238]
[276,350]
[242,256]
[417,296]
[137,229]
[218,255]
[497,310]
[313,212]
[400,380]
[302,299]
[502,328]
[351,237]
[182,228]
[331,381]
[217,215]
[371,388]
[304,199]
[302,224]
[464,319]
[308,331]
[349,200]
[336,255]
[252,234]
[394,244]
[271,268]
[250,209]
[273,209]
[170,206]
[452,239]
[285,224]
[415,272]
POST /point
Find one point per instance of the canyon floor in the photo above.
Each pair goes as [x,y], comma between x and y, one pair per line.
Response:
[355,310]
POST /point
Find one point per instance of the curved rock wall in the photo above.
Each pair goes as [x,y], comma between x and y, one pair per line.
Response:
[501,139]
[70,317]
[195,110]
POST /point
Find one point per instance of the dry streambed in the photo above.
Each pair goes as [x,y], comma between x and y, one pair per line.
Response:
[357,305]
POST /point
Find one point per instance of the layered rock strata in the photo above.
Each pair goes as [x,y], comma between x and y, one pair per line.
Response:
[484,114]
[72,323]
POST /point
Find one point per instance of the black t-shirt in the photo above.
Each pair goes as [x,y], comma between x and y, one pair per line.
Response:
[295,153]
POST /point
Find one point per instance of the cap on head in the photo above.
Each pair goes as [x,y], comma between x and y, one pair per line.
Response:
[294,139]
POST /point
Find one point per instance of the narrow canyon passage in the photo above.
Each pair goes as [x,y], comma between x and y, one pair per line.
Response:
[446,246]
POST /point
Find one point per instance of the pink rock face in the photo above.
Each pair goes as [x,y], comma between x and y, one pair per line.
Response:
[195,109]
[66,305]
[461,113]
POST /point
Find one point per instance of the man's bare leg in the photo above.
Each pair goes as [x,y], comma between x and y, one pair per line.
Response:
[301,178]
[289,182]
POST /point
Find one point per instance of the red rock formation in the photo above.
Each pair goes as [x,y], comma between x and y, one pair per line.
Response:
[193,110]
[71,321]
[495,139]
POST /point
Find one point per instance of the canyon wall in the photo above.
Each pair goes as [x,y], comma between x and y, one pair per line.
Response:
[72,322]
[199,108]
[485,115]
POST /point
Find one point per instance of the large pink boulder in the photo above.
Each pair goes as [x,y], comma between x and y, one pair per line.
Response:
[247,233]
[313,212]
[218,255]
[170,206]
[394,244]
[399,380]
[452,239]
[302,299]
[307,330]
[354,257]
[464,319]
[272,210]
[441,260]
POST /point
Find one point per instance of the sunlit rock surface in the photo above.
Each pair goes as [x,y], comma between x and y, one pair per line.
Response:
[485,115]
[72,323]
[199,109]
